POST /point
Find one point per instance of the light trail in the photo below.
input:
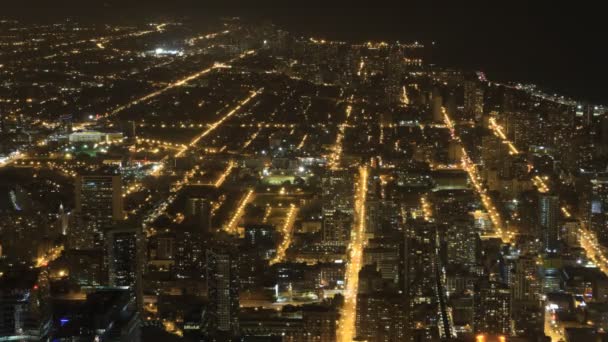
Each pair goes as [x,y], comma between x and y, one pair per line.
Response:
[231,225]
[216,124]
[346,328]
[287,230]
[173,85]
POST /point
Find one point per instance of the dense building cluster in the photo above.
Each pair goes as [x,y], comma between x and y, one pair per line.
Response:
[235,182]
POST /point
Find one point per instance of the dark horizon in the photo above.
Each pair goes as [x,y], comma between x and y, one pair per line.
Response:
[554,46]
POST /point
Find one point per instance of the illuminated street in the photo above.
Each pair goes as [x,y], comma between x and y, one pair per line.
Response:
[287,231]
[232,225]
[336,155]
[346,330]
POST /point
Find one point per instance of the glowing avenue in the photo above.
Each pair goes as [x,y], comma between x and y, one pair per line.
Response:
[287,231]
[232,225]
[346,328]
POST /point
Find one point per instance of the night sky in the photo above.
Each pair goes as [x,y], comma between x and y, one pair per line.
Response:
[558,46]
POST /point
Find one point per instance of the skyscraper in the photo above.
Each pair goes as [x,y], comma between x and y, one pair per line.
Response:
[336,228]
[338,191]
[419,276]
[598,209]
[493,309]
[121,252]
[473,100]
[223,292]
[437,107]
[548,214]
[461,243]
[526,285]
[199,209]
[337,196]
[98,206]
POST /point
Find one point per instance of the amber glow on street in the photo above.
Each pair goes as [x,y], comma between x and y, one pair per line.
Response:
[287,231]
[346,329]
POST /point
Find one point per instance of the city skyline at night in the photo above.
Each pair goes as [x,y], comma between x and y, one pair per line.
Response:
[263,176]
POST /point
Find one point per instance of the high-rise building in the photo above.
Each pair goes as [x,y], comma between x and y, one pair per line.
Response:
[107,314]
[24,314]
[461,243]
[337,210]
[189,252]
[98,205]
[320,323]
[336,228]
[337,191]
[598,209]
[380,317]
[493,309]
[473,100]
[199,209]
[121,252]
[420,278]
[223,293]
[548,215]
[394,72]
[526,283]
[437,107]
[64,220]
[419,257]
